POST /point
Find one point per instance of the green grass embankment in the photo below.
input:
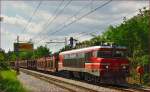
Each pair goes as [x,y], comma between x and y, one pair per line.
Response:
[9,82]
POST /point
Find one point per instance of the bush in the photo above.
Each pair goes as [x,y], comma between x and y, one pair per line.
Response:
[146,78]
[4,65]
[9,82]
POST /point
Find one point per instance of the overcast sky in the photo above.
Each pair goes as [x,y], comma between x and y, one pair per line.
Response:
[53,15]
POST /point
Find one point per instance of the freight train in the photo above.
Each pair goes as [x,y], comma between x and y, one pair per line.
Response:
[104,64]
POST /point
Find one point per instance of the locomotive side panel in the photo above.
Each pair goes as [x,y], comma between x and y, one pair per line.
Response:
[74,62]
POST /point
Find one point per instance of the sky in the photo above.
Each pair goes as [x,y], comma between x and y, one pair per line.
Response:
[50,20]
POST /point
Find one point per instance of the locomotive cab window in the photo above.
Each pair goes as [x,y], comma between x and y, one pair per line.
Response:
[94,54]
[111,54]
[87,56]
[104,54]
[118,53]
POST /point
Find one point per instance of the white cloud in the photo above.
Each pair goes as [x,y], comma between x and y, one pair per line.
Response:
[21,22]
[45,15]
[129,6]
[16,21]
[21,5]
[7,39]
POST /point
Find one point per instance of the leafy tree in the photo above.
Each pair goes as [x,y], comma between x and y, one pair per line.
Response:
[3,64]
[11,56]
[25,55]
[42,51]
[2,57]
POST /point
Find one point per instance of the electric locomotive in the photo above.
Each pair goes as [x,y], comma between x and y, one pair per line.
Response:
[105,64]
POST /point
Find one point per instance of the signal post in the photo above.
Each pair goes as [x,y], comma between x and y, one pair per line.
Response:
[17,54]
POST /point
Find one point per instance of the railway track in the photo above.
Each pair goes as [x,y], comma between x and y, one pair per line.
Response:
[77,86]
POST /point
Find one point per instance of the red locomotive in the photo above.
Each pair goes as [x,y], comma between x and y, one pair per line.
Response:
[107,64]
[97,63]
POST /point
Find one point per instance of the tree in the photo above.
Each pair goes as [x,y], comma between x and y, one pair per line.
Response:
[3,63]
[2,56]
[11,56]
[42,51]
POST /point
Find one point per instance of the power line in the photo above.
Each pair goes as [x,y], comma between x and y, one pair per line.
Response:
[79,18]
[34,12]
[82,17]
[49,19]
[56,16]
[105,23]
[96,28]
[74,15]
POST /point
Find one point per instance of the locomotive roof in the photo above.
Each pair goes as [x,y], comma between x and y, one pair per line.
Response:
[90,48]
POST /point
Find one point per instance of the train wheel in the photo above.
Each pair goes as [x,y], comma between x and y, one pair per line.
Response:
[96,80]
[71,75]
[89,78]
[81,74]
[85,77]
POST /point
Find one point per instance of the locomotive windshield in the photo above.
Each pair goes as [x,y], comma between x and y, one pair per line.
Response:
[104,54]
[119,54]
[111,54]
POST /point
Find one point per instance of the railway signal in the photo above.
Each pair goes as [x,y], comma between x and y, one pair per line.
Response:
[72,42]
[140,71]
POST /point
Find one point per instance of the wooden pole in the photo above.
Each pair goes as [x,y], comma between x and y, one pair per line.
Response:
[140,78]
[149,39]
[17,53]
[1,18]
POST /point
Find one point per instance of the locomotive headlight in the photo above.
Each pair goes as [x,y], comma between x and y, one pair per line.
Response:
[106,66]
[124,67]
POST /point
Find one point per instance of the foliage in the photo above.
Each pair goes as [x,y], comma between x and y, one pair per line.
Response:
[2,56]
[9,82]
[11,56]
[146,78]
[3,64]
[42,51]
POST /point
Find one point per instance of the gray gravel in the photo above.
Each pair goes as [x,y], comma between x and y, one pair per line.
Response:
[33,84]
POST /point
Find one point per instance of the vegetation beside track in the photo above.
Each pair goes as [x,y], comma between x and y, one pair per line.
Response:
[9,82]
[8,77]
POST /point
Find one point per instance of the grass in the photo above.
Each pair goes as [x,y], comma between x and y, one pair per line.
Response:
[9,82]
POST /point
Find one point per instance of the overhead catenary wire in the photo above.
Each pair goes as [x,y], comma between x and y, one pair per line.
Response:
[78,19]
[34,12]
[97,28]
[82,34]
[56,16]
[74,15]
[50,18]
[82,17]
[108,24]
